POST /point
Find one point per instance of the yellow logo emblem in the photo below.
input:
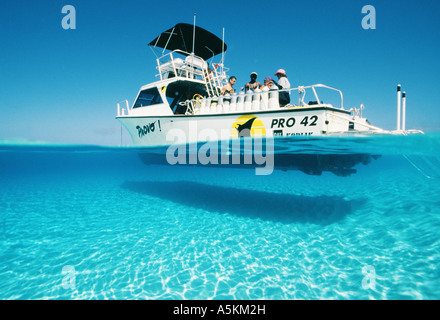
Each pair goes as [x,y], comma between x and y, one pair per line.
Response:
[248,125]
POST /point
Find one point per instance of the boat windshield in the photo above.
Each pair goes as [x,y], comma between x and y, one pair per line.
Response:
[148,97]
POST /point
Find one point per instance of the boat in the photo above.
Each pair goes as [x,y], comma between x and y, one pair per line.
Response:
[185,107]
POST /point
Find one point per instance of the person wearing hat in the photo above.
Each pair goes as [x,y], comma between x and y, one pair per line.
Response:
[283,83]
[268,83]
[253,84]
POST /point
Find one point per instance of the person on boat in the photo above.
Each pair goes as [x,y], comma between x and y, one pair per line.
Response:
[268,83]
[283,83]
[210,75]
[228,88]
[253,84]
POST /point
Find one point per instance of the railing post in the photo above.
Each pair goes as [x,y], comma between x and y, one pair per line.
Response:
[158,68]
[398,107]
[316,95]
[120,110]
[403,110]
[128,107]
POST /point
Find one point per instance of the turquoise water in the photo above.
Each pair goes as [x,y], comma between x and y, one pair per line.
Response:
[85,222]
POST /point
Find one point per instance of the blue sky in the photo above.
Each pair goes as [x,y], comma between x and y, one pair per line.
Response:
[62,86]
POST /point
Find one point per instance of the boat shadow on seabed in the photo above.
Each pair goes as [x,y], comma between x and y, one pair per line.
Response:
[284,208]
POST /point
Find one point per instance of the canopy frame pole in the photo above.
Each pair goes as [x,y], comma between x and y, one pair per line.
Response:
[169,38]
[194,34]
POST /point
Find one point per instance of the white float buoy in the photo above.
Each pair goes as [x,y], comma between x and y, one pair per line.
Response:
[264,98]
[256,99]
[248,101]
[240,102]
[273,99]
[226,102]
[233,105]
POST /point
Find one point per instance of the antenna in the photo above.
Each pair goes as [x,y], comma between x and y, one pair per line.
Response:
[223,47]
[194,33]
[223,54]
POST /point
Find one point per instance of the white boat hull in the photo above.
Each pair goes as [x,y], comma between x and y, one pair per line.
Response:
[305,121]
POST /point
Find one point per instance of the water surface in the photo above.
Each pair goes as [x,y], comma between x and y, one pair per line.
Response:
[88,222]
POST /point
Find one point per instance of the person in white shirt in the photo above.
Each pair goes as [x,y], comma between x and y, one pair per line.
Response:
[283,83]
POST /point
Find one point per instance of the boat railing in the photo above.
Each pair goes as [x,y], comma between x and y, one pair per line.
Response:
[357,112]
[120,110]
[192,67]
[302,94]
[264,99]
